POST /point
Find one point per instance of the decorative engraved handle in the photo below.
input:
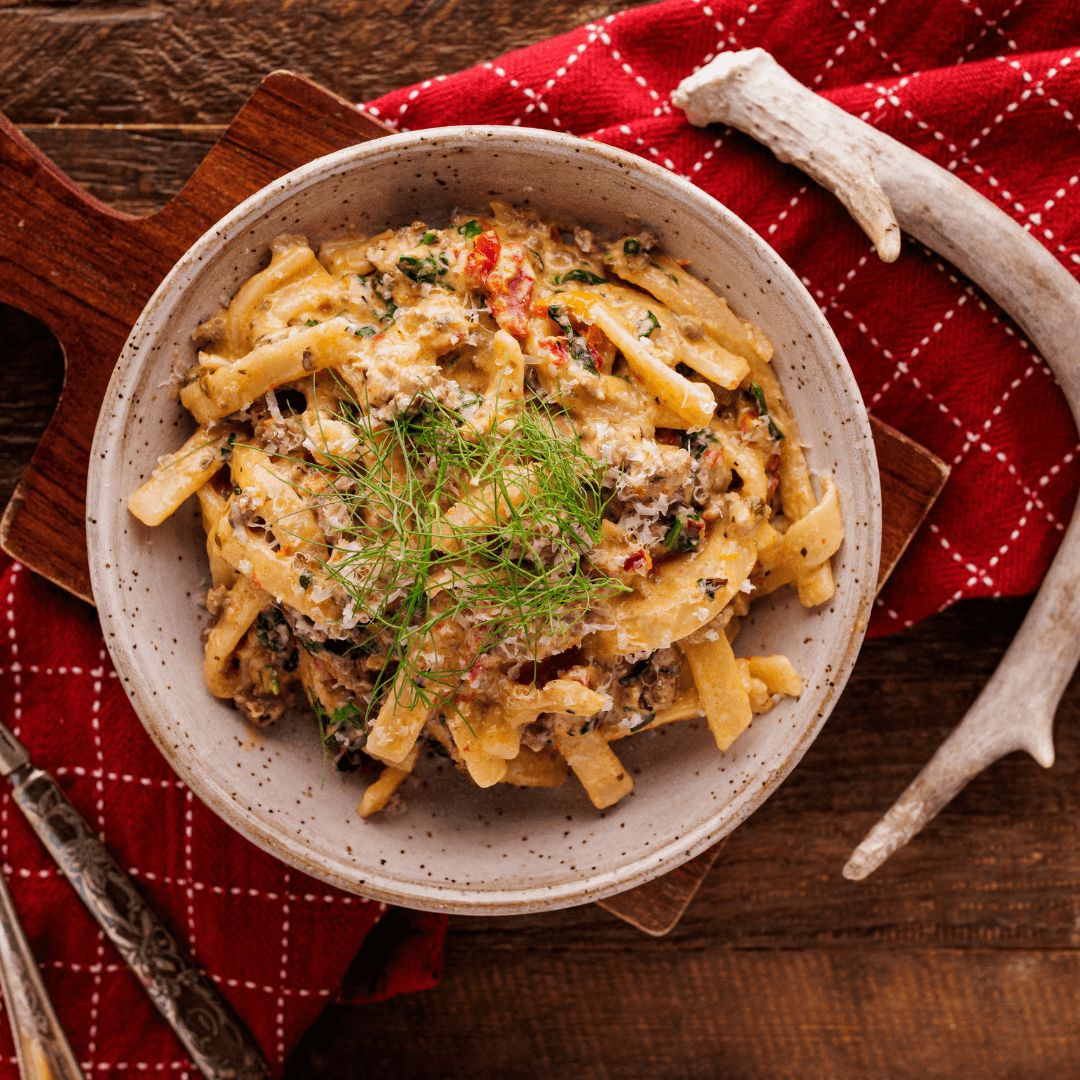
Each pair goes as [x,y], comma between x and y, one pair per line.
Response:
[40,1043]
[211,1032]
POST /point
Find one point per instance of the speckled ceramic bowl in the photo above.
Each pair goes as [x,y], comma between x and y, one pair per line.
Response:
[457,848]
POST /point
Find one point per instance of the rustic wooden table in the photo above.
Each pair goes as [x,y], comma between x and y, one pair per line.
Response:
[958,959]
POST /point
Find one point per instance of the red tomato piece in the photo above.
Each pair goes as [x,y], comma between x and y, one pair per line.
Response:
[667,436]
[482,260]
[557,348]
[772,470]
[510,288]
[602,349]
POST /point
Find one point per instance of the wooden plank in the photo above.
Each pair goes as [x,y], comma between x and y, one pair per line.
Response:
[188,62]
[136,170]
[829,1014]
[33,365]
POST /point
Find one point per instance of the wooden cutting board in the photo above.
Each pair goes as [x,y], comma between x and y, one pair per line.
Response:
[87,271]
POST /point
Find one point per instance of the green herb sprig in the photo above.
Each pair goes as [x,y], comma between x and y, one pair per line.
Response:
[405,569]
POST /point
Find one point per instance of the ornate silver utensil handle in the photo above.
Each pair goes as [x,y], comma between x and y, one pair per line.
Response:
[212,1034]
[40,1043]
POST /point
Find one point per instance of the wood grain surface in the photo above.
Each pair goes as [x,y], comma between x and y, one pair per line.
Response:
[959,959]
[196,62]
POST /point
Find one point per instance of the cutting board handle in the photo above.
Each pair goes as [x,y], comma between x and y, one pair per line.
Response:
[87,271]
[50,238]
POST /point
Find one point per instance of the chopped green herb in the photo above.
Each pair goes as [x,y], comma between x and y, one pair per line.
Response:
[536,255]
[631,246]
[312,322]
[683,534]
[470,229]
[236,489]
[579,350]
[366,331]
[271,630]
[657,266]
[429,238]
[305,581]
[420,270]
[647,324]
[759,396]
[710,586]
[649,718]
[696,442]
[577,274]
[387,297]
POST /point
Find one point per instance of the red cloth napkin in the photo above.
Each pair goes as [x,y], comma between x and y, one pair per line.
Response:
[278,943]
[989,90]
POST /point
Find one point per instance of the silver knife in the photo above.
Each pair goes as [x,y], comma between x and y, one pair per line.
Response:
[212,1034]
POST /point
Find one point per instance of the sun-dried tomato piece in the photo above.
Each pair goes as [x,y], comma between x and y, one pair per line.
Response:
[772,470]
[509,290]
[556,347]
[601,347]
[482,260]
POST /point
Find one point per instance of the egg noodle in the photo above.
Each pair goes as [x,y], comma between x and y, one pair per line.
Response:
[492,492]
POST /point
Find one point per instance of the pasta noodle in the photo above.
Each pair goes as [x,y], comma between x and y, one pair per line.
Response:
[493,492]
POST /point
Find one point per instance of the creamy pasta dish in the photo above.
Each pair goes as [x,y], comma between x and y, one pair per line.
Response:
[502,490]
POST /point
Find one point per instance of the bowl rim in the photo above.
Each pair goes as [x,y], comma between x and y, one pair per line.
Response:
[385,888]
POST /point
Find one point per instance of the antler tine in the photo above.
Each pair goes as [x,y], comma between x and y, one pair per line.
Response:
[885,185]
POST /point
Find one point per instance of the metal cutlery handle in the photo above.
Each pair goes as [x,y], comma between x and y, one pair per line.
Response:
[217,1040]
[40,1043]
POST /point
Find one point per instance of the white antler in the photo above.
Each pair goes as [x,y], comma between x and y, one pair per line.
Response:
[887,186]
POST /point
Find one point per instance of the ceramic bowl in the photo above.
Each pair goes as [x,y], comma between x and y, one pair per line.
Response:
[457,848]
